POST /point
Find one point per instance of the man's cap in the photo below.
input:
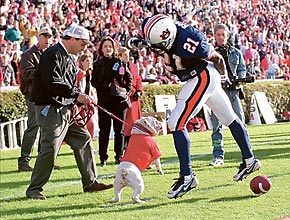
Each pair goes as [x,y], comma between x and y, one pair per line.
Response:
[45,31]
[79,32]
[221,26]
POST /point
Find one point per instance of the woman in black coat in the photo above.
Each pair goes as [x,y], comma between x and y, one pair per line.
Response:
[107,70]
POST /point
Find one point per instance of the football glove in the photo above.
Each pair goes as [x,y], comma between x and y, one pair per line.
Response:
[136,43]
[225,80]
[137,95]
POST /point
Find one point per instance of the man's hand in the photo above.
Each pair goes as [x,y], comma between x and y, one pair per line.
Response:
[84,98]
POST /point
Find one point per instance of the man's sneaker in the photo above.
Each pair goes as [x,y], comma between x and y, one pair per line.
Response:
[217,161]
[245,170]
[182,186]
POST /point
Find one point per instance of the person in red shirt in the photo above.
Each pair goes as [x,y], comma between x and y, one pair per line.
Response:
[142,149]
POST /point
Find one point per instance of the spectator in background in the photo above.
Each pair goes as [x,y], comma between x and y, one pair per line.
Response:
[29,33]
[13,33]
[15,62]
[107,70]
[4,6]
[134,111]
[84,76]
[2,40]
[249,57]
[7,70]
[3,24]
[236,69]
[151,74]
[286,72]
[162,77]
[3,50]
[273,67]
[9,48]
[142,72]
[28,65]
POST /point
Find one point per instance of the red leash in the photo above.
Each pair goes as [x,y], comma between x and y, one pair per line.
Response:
[85,114]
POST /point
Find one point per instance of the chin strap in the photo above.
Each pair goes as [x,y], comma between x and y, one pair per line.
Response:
[86,112]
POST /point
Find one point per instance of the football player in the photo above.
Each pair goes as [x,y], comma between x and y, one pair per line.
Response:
[188,55]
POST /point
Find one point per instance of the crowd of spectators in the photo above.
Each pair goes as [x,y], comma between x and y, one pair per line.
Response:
[260,29]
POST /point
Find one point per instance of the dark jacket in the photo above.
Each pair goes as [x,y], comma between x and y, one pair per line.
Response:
[104,74]
[54,81]
[28,64]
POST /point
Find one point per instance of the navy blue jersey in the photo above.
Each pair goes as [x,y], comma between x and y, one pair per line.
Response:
[188,52]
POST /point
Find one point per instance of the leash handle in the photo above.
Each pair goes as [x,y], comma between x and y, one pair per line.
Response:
[85,114]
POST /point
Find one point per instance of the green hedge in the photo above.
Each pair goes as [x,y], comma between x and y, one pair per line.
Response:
[277,92]
[12,104]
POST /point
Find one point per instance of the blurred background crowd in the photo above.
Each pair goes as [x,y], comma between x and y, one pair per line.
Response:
[260,29]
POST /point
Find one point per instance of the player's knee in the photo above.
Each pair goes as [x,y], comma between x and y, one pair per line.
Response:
[171,125]
[226,118]
[228,121]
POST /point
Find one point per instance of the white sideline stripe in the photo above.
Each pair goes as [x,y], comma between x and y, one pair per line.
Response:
[272,141]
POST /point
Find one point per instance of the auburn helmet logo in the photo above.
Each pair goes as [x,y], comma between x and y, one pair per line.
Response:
[165,34]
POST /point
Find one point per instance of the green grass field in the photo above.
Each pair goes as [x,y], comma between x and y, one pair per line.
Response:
[216,196]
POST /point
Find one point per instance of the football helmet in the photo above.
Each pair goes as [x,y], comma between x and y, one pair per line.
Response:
[160,31]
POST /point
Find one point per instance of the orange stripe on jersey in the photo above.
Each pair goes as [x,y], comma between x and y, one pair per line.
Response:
[194,99]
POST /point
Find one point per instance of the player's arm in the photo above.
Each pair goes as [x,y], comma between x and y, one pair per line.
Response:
[206,51]
[218,62]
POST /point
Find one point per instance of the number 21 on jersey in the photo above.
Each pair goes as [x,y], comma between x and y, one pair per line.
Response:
[190,46]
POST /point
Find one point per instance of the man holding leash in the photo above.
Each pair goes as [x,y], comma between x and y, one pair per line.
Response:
[54,92]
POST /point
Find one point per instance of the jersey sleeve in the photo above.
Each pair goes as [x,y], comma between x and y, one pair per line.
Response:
[204,49]
[192,44]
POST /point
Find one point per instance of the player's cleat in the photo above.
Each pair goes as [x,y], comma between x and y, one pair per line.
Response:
[246,170]
[182,186]
[217,161]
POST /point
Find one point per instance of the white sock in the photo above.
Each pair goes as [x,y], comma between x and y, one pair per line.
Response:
[187,178]
[249,161]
